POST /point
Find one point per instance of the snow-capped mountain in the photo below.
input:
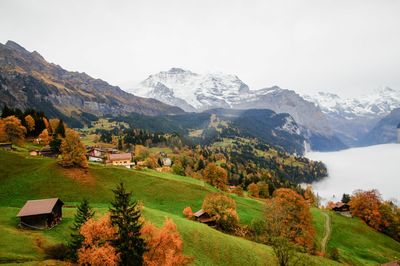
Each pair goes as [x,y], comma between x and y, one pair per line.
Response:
[199,92]
[376,104]
[352,118]
[191,91]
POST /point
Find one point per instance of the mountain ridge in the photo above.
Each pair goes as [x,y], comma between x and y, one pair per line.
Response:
[29,81]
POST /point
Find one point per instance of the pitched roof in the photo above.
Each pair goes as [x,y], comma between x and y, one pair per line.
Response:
[199,213]
[120,156]
[36,207]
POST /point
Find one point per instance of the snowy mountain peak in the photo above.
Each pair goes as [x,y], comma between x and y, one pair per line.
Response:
[378,103]
[199,92]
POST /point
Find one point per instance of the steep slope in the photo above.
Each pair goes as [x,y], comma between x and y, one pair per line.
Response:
[195,92]
[385,131]
[27,80]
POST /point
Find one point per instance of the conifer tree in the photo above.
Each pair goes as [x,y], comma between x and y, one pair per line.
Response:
[126,216]
[83,214]
[120,146]
[60,130]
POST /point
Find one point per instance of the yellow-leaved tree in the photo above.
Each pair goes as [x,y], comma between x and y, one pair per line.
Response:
[30,123]
[11,130]
[73,152]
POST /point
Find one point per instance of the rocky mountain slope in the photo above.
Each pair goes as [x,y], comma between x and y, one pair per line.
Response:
[28,80]
[385,131]
[195,92]
[353,118]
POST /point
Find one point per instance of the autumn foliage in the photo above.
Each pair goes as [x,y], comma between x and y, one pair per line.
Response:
[73,151]
[223,210]
[30,122]
[96,247]
[253,190]
[44,137]
[310,197]
[11,130]
[366,205]
[288,215]
[187,212]
[216,176]
[165,246]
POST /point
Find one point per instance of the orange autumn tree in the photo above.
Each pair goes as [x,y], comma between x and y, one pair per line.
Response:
[216,176]
[44,137]
[11,130]
[30,122]
[366,205]
[188,213]
[73,151]
[310,197]
[223,210]
[96,247]
[165,246]
[288,216]
[253,190]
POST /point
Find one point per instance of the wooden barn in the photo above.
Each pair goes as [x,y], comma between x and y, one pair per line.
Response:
[341,207]
[203,217]
[6,146]
[41,214]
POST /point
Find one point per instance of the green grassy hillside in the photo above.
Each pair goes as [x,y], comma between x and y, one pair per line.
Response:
[163,195]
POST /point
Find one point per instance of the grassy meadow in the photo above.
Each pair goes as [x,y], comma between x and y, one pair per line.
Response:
[23,177]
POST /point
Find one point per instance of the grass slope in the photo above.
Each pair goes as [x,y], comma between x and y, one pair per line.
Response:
[164,195]
[359,244]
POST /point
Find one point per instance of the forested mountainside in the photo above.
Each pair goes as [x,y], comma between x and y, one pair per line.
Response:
[278,130]
[27,80]
[196,92]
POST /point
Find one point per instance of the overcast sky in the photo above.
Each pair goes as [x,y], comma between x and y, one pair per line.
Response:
[347,47]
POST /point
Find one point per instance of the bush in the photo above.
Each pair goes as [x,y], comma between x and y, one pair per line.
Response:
[57,252]
[188,213]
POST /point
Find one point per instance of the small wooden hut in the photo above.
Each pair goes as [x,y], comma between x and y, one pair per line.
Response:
[41,214]
[341,207]
[6,146]
[204,217]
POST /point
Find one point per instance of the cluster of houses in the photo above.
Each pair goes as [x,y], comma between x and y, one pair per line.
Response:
[107,156]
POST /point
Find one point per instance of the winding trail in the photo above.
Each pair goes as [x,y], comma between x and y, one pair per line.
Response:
[327,232]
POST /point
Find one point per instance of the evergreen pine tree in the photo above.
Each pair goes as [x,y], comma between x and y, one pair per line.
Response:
[83,214]
[60,130]
[126,216]
[120,146]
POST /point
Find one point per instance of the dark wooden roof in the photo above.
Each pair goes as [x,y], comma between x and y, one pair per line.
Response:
[36,207]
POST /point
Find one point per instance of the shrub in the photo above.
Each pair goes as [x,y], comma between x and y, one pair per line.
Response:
[188,213]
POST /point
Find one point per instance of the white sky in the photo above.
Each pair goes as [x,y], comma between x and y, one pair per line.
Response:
[343,46]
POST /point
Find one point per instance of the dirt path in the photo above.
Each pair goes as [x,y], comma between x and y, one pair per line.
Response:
[327,232]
